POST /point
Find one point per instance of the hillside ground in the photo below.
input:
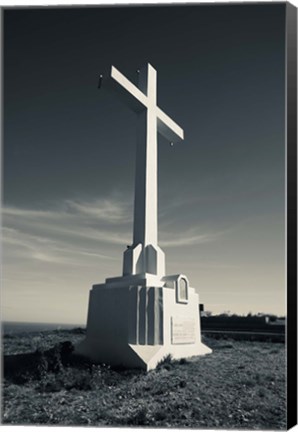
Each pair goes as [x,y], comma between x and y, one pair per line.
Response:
[240,385]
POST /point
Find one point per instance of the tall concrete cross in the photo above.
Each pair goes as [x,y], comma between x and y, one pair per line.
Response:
[136,319]
[151,119]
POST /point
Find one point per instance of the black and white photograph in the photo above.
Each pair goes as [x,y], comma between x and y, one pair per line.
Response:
[149,204]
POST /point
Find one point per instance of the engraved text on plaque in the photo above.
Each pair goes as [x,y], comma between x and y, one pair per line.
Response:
[183,330]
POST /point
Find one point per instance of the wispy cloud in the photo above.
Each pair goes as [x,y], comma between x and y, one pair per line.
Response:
[187,238]
[73,221]
[30,246]
[72,233]
[108,210]
[85,227]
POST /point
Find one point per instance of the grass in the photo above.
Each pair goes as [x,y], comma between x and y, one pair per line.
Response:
[240,385]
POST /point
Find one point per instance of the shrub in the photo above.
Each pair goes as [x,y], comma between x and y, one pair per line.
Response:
[166,362]
[139,418]
[261,392]
[21,368]
[183,361]
[160,415]
[67,379]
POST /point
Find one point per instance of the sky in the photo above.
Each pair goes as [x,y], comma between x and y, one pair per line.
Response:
[69,153]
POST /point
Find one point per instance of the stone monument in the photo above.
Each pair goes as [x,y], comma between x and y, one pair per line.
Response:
[136,319]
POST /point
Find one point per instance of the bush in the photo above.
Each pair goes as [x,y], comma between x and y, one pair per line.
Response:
[21,368]
[166,362]
[139,418]
[66,379]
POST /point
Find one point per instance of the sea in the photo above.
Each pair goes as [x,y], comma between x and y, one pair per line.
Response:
[12,327]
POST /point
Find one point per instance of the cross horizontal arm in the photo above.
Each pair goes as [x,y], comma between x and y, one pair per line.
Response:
[168,128]
[136,99]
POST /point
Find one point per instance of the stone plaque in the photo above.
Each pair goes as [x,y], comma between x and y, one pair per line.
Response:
[183,330]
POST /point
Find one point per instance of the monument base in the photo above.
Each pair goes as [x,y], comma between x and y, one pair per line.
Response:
[137,326]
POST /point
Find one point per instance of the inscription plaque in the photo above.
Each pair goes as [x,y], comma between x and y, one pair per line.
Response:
[183,330]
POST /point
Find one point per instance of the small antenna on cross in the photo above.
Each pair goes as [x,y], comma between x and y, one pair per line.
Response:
[99,81]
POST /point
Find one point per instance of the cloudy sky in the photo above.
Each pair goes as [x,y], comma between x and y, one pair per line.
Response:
[69,153]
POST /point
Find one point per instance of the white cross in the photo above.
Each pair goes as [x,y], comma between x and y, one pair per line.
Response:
[152,119]
[144,256]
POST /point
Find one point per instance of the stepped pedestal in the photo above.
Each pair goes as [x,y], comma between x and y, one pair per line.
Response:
[136,321]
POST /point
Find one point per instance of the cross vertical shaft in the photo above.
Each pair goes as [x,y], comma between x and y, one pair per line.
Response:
[144,255]
[145,206]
